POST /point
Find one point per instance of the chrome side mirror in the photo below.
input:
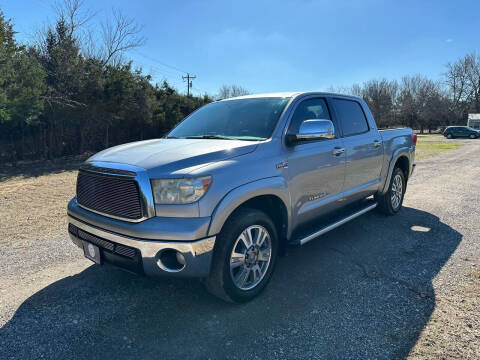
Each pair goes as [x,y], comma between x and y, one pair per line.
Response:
[313,129]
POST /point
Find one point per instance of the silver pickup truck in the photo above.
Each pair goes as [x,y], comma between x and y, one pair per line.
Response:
[234,184]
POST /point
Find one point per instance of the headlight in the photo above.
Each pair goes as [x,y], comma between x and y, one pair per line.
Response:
[180,191]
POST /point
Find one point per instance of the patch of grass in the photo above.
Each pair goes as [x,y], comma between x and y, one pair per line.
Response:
[426,149]
[431,136]
[476,274]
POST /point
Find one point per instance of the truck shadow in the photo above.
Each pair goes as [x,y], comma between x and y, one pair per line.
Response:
[361,291]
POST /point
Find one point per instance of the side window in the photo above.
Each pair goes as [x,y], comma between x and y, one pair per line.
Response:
[351,117]
[308,110]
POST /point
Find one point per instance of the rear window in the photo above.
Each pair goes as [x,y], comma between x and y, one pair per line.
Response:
[351,117]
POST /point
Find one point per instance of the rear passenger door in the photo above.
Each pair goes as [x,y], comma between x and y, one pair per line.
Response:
[363,149]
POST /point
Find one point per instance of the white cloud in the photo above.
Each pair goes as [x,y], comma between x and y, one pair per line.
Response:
[449,40]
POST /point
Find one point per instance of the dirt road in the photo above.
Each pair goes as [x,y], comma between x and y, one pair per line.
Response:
[378,287]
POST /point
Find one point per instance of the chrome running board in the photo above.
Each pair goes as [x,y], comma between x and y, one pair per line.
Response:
[334,225]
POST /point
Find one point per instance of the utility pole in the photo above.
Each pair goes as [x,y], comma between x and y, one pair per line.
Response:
[189,82]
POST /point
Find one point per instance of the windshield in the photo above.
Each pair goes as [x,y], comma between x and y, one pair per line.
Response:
[243,119]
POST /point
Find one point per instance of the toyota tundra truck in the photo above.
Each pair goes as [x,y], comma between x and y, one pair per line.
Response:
[234,184]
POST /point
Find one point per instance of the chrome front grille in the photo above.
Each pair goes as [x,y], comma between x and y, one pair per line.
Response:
[115,196]
[105,170]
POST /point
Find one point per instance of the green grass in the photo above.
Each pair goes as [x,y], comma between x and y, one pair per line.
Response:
[426,135]
[429,148]
[476,274]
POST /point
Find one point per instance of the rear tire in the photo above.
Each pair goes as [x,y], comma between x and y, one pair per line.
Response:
[449,136]
[242,262]
[391,202]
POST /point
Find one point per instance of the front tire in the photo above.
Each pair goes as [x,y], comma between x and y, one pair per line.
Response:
[473,136]
[244,256]
[449,136]
[391,202]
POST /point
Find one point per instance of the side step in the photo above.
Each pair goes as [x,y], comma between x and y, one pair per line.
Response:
[336,223]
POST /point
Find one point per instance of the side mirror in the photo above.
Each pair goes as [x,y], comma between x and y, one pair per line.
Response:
[313,129]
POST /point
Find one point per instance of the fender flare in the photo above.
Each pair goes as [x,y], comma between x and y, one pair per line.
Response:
[276,186]
[403,151]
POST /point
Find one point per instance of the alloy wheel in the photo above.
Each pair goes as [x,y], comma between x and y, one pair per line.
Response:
[397,191]
[250,257]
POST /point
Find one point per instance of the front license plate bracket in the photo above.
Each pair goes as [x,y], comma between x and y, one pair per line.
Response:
[92,252]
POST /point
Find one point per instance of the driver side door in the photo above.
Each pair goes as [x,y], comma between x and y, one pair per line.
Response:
[316,169]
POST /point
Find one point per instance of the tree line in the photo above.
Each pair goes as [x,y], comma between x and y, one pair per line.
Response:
[422,103]
[66,94]
[72,91]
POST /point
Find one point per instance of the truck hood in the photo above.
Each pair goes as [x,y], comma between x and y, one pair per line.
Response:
[174,155]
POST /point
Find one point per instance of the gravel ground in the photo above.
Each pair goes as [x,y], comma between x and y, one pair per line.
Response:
[33,209]
[377,288]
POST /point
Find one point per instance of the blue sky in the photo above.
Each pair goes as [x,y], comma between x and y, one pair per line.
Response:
[285,45]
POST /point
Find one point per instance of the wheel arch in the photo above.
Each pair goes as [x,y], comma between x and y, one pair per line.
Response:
[403,163]
[401,158]
[268,195]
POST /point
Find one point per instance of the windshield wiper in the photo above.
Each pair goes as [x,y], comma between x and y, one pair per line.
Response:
[221,137]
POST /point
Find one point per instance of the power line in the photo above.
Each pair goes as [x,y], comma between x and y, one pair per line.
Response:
[161,63]
[164,71]
[169,73]
[189,77]
[201,91]
[167,76]
[189,81]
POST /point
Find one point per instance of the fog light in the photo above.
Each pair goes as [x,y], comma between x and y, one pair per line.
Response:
[171,260]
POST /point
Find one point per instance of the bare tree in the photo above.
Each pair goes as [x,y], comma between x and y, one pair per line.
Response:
[118,32]
[408,100]
[381,97]
[463,80]
[75,16]
[456,79]
[473,76]
[347,90]
[422,103]
[74,13]
[228,91]
[119,35]
[356,90]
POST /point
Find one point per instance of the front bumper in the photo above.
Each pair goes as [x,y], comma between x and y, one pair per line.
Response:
[144,255]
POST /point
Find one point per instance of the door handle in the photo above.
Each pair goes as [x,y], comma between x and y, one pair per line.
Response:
[338,151]
[377,143]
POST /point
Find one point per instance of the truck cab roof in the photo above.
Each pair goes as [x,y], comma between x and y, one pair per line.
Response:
[290,94]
